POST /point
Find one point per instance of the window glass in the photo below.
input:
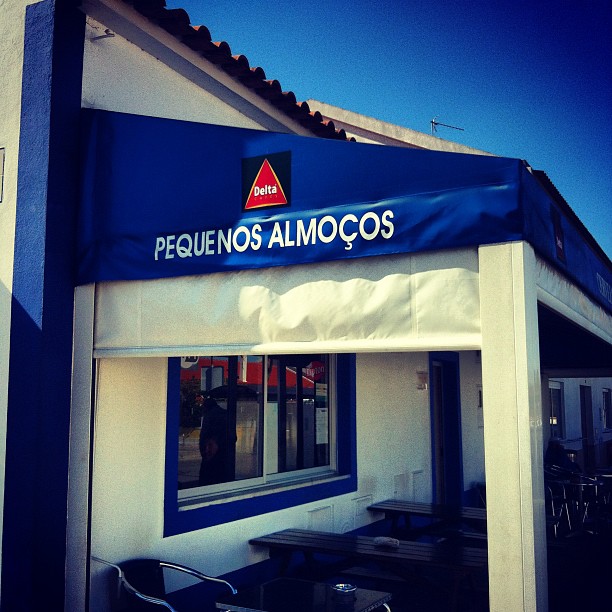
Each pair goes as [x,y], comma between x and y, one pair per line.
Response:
[607,408]
[557,419]
[246,421]
[297,413]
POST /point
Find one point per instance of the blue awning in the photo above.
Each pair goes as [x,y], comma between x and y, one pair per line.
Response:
[164,198]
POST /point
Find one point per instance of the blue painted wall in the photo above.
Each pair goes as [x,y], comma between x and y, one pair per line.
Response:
[34,535]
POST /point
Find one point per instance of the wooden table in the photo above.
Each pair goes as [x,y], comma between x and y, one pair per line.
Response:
[461,561]
[440,514]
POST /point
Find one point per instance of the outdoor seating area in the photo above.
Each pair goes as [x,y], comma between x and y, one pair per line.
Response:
[401,567]
[450,570]
[579,542]
[432,558]
[577,502]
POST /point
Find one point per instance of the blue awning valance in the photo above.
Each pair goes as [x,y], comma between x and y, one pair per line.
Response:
[164,198]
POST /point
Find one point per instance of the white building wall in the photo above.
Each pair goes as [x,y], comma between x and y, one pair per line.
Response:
[472,424]
[394,458]
[393,425]
[118,76]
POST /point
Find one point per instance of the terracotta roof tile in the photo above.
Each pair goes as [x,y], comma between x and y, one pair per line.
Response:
[198,38]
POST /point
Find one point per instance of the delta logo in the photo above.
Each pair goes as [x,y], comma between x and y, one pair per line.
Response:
[266,181]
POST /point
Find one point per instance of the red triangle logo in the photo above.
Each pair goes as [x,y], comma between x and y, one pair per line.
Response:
[266,189]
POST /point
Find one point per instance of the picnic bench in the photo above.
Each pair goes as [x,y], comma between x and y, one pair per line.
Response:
[443,517]
[461,561]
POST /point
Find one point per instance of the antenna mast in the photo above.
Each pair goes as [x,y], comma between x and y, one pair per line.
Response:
[434,123]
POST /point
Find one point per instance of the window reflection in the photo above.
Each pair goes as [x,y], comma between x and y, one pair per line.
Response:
[246,418]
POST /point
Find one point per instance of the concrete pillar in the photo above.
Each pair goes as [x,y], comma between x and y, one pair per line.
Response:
[513,428]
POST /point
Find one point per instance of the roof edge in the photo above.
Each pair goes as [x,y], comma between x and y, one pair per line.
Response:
[199,40]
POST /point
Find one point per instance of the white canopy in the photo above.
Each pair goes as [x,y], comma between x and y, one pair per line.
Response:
[426,301]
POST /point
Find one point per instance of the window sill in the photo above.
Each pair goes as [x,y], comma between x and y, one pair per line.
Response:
[201,513]
[202,501]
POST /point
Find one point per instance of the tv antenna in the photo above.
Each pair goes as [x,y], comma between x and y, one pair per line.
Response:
[435,123]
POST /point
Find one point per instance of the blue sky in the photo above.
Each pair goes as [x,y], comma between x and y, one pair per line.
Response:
[527,79]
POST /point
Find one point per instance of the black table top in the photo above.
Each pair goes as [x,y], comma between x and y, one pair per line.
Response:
[301,596]
[400,506]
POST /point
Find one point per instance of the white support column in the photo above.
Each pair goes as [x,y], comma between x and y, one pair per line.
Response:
[77,539]
[513,429]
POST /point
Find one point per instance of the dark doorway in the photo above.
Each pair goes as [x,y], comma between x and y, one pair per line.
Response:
[588,435]
[447,462]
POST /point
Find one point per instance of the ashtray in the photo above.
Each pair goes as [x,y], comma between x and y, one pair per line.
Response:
[344,591]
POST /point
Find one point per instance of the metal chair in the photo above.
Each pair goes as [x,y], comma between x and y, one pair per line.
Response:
[143,581]
[557,502]
[587,500]
[556,509]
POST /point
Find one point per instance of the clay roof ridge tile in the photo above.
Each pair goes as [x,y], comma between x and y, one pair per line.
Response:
[223,47]
[236,65]
[198,39]
[175,21]
[317,116]
[341,134]
[274,84]
[289,96]
[258,72]
[201,31]
[255,78]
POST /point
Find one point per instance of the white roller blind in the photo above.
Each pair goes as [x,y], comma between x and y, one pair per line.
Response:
[419,302]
